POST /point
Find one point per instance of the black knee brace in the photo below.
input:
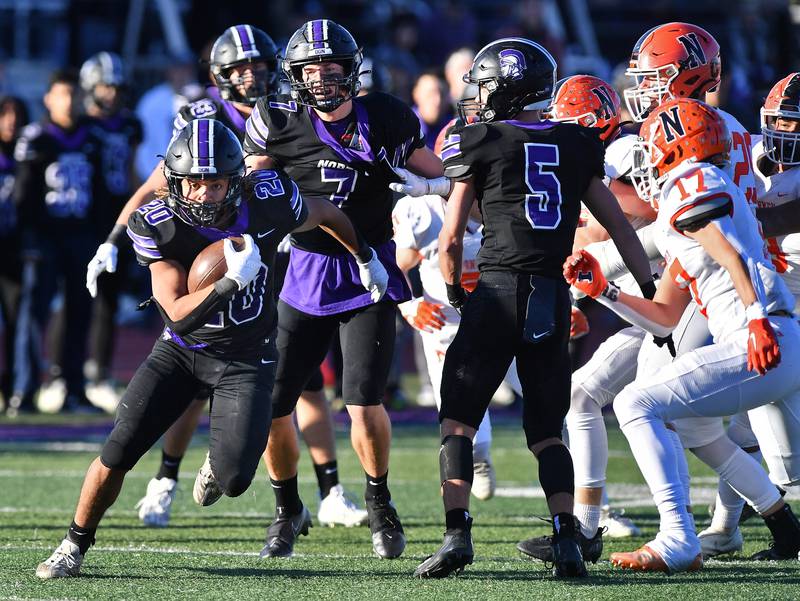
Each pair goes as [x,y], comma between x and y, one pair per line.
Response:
[455,458]
[555,470]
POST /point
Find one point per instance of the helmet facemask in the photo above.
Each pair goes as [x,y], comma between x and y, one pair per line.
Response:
[261,76]
[329,91]
[643,174]
[781,147]
[204,214]
[641,99]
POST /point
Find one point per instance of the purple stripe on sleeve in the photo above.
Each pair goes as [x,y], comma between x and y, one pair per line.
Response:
[150,253]
[141,240]
[451,152]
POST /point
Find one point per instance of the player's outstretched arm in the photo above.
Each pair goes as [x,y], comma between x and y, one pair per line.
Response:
[781,220]
[610,259]
[330,218]
[424,175]
[603,205]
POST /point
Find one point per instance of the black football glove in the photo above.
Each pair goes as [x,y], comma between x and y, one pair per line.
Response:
[456,296]
[666,340]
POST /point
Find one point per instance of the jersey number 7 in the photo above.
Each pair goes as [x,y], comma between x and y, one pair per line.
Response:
[543,204]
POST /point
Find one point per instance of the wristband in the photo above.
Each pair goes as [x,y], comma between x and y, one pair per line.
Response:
[611,292]
[226,287]
[440,186]
[117,234]
[755,311]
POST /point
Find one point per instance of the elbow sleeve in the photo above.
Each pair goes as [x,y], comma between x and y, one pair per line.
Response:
[223,291]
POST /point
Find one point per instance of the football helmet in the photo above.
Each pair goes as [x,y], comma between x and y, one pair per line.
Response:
[204,149]
[323,41]
[587,101]
[680,130]
[515,74]
[102,68]
[782,102]
[242,45]
[675,60]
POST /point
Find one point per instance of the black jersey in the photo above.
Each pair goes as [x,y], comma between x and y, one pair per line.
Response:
[350,167]
[121,133]
[274,209]
[59,178]
[211,107]
[529,180]
[8,211]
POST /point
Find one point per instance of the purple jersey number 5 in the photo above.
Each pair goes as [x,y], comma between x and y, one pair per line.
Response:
[543,204]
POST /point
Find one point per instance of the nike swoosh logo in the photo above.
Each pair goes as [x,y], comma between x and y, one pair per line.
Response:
[540,335]
[330,471]
[374,483]
[263,362]
[267,233]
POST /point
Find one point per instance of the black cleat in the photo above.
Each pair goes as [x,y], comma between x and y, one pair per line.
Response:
[776,552]
[283,532]
[541,547]
[567,558]
[451,558]
[388,538]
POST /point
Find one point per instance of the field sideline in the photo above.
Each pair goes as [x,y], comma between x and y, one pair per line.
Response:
[212,553]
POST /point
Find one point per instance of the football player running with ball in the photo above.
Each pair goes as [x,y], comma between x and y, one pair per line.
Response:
[221,336]
[529,176]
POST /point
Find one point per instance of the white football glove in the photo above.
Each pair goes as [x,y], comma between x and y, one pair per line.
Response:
[105,259]
[415,185]
[243,265]
[373,277]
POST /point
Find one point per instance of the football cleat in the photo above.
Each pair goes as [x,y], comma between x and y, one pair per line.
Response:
[207,490]
[567,557]
[776,552]
[616,525]
[65,561]
[541,547]
[484,482]
[645,559]
[154,508]
[455,553]
[338,509]
[716,542]
[104,395]
[388,538]
[283,532]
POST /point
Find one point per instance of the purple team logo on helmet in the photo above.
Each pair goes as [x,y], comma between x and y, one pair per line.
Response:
[512,63]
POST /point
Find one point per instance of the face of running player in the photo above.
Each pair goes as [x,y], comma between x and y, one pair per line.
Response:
[788,125]
[244,77]
[62,104]
[107,97]
[205,191]
[315,73]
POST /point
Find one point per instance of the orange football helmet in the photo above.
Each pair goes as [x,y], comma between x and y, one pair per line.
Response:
[587,101]
[783,102]
[680,130]
[440,139]
[675,60]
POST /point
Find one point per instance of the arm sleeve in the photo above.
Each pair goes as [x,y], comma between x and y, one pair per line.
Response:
[287,209]
[460,148]
[144,238]
[256,130]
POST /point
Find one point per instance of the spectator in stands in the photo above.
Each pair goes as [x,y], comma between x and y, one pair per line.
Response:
[456,66]
[432,105]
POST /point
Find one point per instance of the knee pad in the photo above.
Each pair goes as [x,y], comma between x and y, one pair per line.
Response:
[455,458]
[364,402]
[555,470]
[114,457]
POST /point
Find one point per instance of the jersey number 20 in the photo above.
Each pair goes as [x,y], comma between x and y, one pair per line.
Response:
[543,203]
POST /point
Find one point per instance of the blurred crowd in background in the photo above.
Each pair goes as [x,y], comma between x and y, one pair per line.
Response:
[417,50]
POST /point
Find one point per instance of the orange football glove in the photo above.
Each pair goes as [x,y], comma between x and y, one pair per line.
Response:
[422,315]
[578,324]
[763,352]
[583,271]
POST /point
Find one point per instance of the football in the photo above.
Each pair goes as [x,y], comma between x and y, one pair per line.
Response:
[209,265]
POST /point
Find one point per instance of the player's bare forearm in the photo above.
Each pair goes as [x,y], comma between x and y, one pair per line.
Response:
[781,220]
[330,218]
[716,244]
[665,310]
[451,238]
[254,162]
[145,192]
[171,292]
[604,207]
[424,162]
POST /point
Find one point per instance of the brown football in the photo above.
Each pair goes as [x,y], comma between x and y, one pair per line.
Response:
[209,265]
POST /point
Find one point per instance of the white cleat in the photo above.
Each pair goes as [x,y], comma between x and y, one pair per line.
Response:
[52,396]
[484,482]
[617,525]
[104,395]
[338,509]
[207,490]
[717,542]
[154,508]
[65,561]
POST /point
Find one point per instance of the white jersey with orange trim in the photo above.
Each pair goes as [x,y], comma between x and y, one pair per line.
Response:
[774,190]
[693,269]
[741,166]
[417,223]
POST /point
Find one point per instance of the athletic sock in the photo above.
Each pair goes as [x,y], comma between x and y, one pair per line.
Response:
[287,499]
[589,518]
[377,487]
[785,529]
[327,477]
[456,518]
[169,466]
[83,537]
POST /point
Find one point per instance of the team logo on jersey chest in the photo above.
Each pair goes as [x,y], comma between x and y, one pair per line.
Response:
[512,63]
